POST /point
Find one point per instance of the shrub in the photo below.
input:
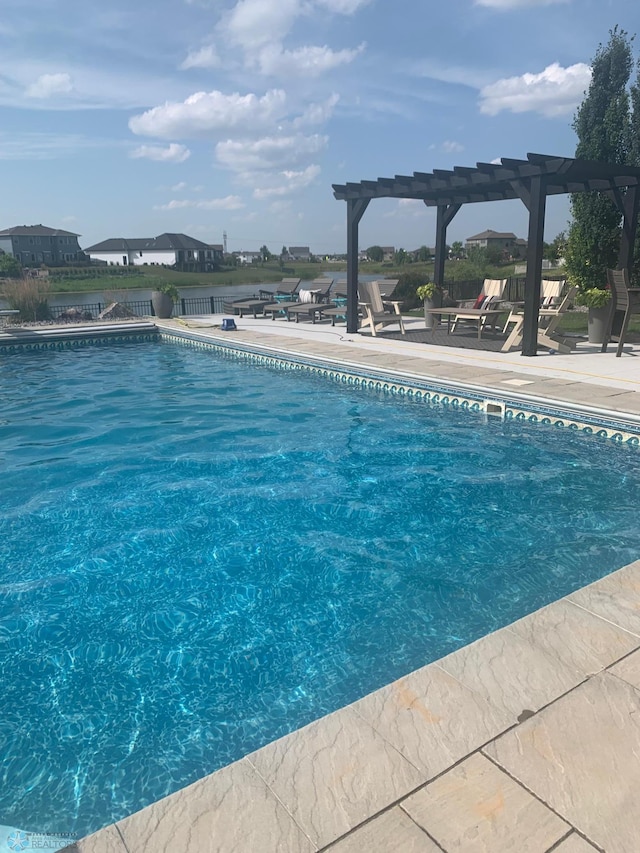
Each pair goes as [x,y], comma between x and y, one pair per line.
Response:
[29,297]
[405,290]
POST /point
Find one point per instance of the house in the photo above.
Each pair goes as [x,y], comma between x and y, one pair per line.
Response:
[38,244]
[388,253]
[505,242]
[248,257]
[179,250]
[299,253]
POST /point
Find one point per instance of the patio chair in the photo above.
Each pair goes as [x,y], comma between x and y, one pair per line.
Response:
[550,293]
[548,320]
[372,305]
[620,313]
[485,307]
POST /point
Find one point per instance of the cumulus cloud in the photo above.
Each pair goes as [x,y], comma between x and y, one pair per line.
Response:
[251,24]
[516,4]
[451,147]
[555,91]
[173,153]
[343,7]
[306,61]
[206,57]
[230,202]
[48,85]
[269,152]
[206,112]
[291,181]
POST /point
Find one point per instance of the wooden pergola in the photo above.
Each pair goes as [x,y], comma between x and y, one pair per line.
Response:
[530,180]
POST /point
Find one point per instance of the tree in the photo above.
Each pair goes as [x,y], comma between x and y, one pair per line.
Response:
[423,254]
[400,257]
[602,124]
[284,252]
[266,254]
[375,253]
[457,249]
[10,267]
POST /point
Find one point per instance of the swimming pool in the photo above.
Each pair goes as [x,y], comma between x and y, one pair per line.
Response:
[200,554]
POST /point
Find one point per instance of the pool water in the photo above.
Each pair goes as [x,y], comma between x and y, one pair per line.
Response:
[199,554]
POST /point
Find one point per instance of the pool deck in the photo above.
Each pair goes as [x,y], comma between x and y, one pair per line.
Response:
[527,740]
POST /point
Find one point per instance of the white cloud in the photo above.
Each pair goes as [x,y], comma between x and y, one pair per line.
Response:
[343,7]
[230,202]
[555,91]
[451,147]
[317,113]
[205,112]
[307,61]
[176,188]
[252,24]
[293,182]
[269,152]
[174,153]
[206,57]
[516,4]
[48,85]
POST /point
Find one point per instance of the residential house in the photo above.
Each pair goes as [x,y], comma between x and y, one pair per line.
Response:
[248,257]
[299,253]
[36,244]
[179,250]
[505,242]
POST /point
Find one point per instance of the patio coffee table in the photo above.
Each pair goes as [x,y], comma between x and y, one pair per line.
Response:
[468,314]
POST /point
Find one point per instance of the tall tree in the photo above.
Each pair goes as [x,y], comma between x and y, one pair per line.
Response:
[375,253]
[602,126]
[634,160]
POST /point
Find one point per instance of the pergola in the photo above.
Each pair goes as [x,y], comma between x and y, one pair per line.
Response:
[530,180]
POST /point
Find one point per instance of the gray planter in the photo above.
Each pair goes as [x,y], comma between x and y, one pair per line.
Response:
[432,321]
[162,305]
[597,323]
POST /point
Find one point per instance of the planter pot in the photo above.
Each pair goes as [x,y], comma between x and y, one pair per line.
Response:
[162,305]
[597,323]
[431,321]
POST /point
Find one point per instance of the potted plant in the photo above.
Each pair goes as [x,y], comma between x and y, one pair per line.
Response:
[597,300]
[431,295]
[163,299]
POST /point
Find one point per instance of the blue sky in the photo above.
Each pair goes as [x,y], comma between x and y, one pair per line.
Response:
[205,116]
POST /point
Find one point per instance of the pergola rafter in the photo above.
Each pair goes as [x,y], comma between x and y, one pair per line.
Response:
[530,180]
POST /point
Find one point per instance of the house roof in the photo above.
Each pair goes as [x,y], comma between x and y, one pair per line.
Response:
[295,250]
[161,243]
[489,234]
[36,231]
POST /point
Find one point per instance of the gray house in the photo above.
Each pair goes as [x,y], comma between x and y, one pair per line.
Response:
[37,244]
[179,250]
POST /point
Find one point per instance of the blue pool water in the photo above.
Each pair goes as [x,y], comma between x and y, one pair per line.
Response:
[198,554]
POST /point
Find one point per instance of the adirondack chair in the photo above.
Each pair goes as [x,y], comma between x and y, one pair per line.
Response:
[373,308]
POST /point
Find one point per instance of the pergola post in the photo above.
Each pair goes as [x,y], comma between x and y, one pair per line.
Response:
[355,210]
[535,197]
[445,213]
[629,207]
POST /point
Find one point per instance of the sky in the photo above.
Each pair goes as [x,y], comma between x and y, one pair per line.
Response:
[130,118]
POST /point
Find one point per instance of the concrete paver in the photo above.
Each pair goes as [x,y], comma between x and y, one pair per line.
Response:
[391,831]
[476,808]
[579,756]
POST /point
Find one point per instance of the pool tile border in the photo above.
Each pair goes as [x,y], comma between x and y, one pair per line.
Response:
[438,393]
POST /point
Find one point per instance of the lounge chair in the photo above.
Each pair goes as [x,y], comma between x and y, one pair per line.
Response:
[285,290]
[375,317]
[620,313]
[548,320]
[312,300]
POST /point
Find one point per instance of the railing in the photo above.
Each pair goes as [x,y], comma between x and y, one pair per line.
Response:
[144,307]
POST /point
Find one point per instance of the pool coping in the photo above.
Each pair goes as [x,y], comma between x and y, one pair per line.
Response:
[361,777]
